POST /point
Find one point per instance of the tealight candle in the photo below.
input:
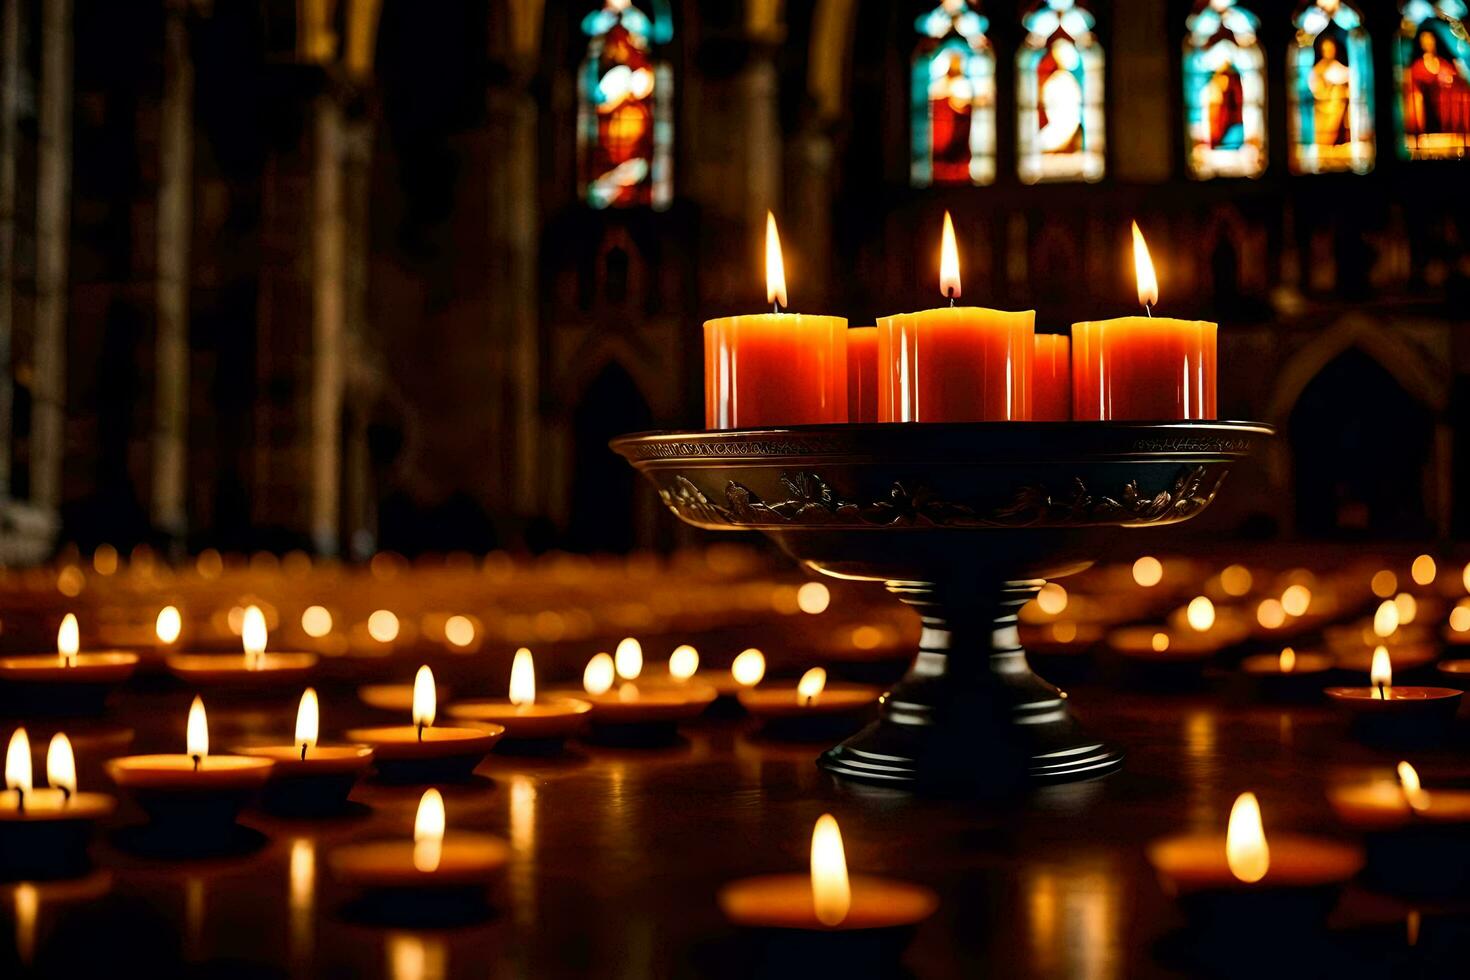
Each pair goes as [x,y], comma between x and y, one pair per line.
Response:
[69,680]
[828,899]
[811,698]
[308,778]
[1245,874]
[774,369]
[955,363]
[252,669]
[1382,805]
[421,752]
[630,712]
[1143,367]
[1382,709]
[44,832]
[433,864]
[1416,838]
[521,714]
[195,793]
[1163,646]
[1287,672]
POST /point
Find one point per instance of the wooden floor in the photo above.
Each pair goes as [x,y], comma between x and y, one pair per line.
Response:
[619,853]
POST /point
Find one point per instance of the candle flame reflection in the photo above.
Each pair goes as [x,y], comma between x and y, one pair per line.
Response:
[775,265]
[168,625]
[27,911]
[18,762]
[61,765]
[1143,269]
[1381,673]
[425,698]
[831,891]
[415,957]
[428,832]
[522,678]
[949,261]
[196,737]
[599,675]
[1417,798]
[683,662]
[748,668]
[67,641]
[308,721]
[811,684]
[1246,851]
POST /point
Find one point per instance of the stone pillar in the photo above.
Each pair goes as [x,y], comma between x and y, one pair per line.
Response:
[171,334]
[53,187]
[328,291]
[9,84]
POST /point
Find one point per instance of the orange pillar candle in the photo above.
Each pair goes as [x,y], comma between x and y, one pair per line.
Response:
[1051,378]
[862,374]
[956,363]
[1143,367]
[774,369]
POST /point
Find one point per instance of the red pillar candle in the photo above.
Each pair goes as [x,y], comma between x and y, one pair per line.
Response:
[862,374]
[1051,378]
[956,363]
[1143,367]
[774,369]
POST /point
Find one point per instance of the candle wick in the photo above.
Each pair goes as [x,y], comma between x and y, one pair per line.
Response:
[196,762]
[20,799]
[1149,309]
[421,731]
[775,306]
[1381,695]
[303,751]
[65,795]
[949,291]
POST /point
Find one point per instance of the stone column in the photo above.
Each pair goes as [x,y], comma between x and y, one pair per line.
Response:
[171,335]
[53,186]
[9,83]
[328,284]
[362,380]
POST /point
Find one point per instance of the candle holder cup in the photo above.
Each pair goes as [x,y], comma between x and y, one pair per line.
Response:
[964,522]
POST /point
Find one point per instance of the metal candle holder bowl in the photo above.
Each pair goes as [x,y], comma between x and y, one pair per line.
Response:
[964,522]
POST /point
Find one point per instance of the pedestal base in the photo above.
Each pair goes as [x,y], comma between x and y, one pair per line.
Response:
[970,715]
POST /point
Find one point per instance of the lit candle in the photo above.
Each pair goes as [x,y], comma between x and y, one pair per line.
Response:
[67,681]
[422,752]
[775,369]
[1143,367]
[524,717]
[1395,804]
[812,698]
[828,898]
[955,363]
[195,794]
[253,669]
[309,778]
[1385,710]
[44,831]
[1051,378]
[638,713]
[862,374]
[434,863]
[1288,673]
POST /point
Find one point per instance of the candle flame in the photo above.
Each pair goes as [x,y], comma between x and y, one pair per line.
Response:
[1200,613]
[316,621]
[425,698]
[599,675]
[1160,642]
[1143,269]
[1288,660]
[1296,600]
[1407,607]
[522,678]
[811,684]
[196,736]
[1148,571]
[1270,614]
[67,641]
[253,635]
[18,762]
[749,667]
[168,625]
[1413,792]
[949,261]
[1236,580]
[1052,599]
[428,831]
[1386,618]
[1381,673]
[61,764]
[683,662]
[308,720]
[628,658]
[1423,570]
[1246,851]
[831,890]
[775,265]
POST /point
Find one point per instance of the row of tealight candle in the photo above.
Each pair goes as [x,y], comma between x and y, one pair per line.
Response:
[953,363]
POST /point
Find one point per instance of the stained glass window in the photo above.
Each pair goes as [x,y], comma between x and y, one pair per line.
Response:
[1329,89]
[625,125]
[1059,94]
[1224,91]
[1432,61]
[953,98]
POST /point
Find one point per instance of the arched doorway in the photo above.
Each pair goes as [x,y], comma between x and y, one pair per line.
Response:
[1361,452]
[604,504]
